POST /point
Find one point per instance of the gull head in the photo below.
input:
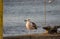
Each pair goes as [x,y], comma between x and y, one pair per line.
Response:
[27,20]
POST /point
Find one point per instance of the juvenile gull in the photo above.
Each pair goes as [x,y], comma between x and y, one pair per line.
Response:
[30,25]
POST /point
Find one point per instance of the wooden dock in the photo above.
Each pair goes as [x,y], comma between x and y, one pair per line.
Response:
[35,36]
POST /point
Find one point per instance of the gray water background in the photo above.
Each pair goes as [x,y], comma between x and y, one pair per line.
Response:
[16,11]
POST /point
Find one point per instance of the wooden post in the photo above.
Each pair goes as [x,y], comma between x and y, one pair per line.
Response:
[1,19]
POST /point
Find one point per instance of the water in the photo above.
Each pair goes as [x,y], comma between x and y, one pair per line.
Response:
[15,13]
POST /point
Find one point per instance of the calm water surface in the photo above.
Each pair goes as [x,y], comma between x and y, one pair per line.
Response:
[16,12]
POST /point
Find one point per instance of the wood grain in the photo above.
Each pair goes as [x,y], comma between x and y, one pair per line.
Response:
[1,18]
[35,36]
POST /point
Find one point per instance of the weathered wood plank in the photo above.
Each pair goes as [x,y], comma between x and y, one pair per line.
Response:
[36,36]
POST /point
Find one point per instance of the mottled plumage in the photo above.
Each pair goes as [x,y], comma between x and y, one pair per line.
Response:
[34,25]
[30,25]
[51,30]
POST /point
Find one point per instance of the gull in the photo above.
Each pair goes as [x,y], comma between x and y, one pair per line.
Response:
[30,25]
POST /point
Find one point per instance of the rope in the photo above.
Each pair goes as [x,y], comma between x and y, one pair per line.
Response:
[44,12]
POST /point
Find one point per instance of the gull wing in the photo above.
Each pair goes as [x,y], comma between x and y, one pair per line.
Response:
[34,25]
